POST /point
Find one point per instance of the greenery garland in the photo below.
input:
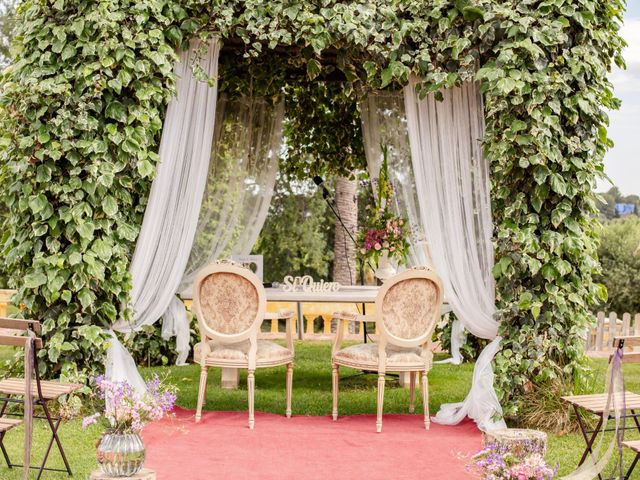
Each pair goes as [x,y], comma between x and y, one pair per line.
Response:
[82,108]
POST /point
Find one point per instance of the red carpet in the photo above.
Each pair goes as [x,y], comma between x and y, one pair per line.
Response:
[221,446]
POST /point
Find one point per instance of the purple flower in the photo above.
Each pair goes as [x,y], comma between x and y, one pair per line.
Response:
[126,410]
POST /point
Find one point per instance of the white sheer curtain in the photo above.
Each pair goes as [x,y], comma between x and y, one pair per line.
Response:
[452,181]
[241,178]
[170,220]
[384,125]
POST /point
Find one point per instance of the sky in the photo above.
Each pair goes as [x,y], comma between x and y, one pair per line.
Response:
[622,163]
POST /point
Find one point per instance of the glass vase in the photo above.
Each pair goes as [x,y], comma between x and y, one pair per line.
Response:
[121,454]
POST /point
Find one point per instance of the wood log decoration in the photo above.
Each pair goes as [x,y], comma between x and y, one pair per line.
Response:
[519,441]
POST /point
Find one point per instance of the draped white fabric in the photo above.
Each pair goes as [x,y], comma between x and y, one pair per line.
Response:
[241,179]
[452,182]
[171,217]
[384,124]
[458,338]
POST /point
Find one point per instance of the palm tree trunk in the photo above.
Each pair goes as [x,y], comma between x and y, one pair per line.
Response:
[344,263]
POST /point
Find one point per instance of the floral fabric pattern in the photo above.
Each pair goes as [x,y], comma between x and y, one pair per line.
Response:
[267,351]
[368,353]
[228,302]
[409,308]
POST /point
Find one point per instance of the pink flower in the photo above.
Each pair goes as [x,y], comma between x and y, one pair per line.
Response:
[90,420]
[377,246]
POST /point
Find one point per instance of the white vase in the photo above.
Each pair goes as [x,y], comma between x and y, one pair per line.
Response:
[385,266]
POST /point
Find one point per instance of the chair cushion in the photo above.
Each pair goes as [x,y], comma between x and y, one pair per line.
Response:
[367,354]
[267,352]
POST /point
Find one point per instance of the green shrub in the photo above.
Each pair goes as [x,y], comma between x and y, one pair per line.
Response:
[470,349]
[620,258]
[149,349]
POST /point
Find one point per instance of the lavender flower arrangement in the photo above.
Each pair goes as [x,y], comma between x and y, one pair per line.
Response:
[126,411]
[524,461]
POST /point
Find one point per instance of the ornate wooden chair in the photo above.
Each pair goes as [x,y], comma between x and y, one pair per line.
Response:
[407,309]
[229,302]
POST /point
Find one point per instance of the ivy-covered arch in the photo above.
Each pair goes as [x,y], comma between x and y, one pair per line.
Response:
[83,103]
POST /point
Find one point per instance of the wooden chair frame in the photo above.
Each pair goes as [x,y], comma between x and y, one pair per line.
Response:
[32,327]
[250,334]
[385,338]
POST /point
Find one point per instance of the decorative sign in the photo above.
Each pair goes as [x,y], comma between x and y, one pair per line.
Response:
[308,284]
[252,262]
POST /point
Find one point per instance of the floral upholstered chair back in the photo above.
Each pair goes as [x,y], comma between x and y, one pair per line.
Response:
[229,302]
[408,307]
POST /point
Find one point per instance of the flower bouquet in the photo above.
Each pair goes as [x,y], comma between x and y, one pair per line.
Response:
[503,462]
[124,412]
[384,235]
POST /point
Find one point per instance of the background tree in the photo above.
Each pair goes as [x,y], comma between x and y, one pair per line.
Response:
[619,254]
[608,200]
[295,237]
[7,21]
[324,138]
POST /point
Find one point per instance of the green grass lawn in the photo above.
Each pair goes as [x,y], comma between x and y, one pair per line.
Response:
[311,396]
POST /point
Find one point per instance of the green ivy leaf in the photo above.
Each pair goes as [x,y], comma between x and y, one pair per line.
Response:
[34,280]
[145,168]
[86,298]
[109,205]
[86,229]
[116,111]
[472,14]
[313,68]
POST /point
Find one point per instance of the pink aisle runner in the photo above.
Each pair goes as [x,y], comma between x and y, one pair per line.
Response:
[221,446]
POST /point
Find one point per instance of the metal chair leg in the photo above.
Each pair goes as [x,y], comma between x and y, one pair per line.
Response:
[632,466]
[4,450]
[54,436]
[589,441]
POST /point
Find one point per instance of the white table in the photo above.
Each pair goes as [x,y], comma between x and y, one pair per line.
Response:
[346,294]
[353,294]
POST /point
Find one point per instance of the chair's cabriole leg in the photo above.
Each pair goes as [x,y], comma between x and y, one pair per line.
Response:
[412,392]
[425,399]
[202,388]
[381,381]
[335,377]
[289,388]
[251,385]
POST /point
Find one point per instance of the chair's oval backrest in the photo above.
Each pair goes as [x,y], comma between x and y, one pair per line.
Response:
[409,305]
[228,300]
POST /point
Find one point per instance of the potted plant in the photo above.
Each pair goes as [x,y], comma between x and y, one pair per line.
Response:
[124,412]
[383,238]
